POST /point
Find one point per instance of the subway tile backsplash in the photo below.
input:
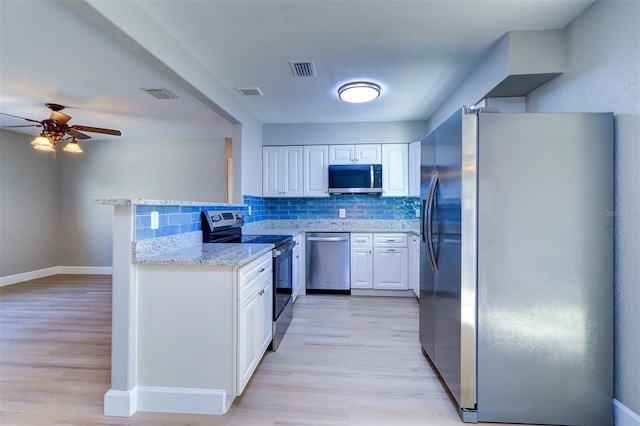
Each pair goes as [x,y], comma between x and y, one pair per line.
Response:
[182,219]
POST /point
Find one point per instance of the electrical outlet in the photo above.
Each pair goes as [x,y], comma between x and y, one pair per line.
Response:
[249,211]
[343,213]
[417,212]
[155,220]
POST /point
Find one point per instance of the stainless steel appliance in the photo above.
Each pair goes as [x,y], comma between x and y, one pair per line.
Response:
[516,307]
[327,262]
[226,227]
[355,179]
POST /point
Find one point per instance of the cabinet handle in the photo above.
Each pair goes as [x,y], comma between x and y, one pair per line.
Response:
[261,270]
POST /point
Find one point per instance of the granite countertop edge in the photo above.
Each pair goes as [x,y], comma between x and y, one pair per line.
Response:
[188,250]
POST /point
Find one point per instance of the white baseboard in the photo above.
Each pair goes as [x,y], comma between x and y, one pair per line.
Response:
[623,416]
[85,270]
[120,403]
[54,270]
[26,276]
[183,400]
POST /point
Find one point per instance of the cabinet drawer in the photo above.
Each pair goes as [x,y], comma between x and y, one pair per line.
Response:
[390,240]
[254,273]
[361,240]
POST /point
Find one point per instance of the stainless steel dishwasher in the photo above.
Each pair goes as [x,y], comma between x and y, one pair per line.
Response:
[327,262]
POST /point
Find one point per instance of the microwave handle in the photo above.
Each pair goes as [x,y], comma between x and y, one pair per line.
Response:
[372,179]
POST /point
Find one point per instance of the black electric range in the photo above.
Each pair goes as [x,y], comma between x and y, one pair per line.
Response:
[226,227]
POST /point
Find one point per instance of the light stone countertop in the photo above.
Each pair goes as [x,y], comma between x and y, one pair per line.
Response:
[188,250]
[117,202]
[295,227]
[208,255]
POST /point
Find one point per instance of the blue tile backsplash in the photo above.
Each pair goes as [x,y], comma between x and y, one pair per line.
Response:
[181,219]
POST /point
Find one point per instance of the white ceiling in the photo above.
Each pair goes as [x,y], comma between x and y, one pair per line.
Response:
[418,51]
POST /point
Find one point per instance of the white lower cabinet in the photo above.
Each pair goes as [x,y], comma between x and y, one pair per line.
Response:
[362,261]
[379,261]
[255,324]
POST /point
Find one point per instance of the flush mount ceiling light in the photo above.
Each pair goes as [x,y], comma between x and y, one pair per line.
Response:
[359,92]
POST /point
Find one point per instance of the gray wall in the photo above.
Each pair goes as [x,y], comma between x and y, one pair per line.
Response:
[46,218]
[343,133]
[603,74]
[28,206]
[186,170]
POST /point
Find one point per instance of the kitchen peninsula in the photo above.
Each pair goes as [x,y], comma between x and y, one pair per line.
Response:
[191,321]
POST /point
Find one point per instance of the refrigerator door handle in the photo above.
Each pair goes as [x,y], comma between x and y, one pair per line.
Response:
[429,221]
[423,220]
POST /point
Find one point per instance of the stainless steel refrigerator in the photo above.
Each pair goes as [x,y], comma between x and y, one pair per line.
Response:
[516,292]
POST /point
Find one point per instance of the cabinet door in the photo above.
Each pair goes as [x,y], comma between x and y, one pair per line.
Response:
[361,268]
[271,171]
[368,154]
[248,314]
[316,171]
[414,264]
[291,171]
[390,269]
[341,154]
[296,282]
[414,169]
[264,318]
[395,182]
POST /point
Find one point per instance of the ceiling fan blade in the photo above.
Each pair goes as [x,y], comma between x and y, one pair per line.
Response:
[76,134]
[96,130]
[59,117]
[24,125]
[22,118]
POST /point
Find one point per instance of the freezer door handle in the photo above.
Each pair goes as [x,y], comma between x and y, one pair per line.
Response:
[429,221]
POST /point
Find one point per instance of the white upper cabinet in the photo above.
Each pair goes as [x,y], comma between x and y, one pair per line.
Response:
[414,169]
[355,154]
[282,171]
[316,171]
[395,164]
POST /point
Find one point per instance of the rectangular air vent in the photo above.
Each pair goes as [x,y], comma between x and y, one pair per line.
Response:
[159,93]
[250,91]
[303,69]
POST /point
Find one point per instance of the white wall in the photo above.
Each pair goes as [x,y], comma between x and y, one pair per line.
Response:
[343,133]
[28,206]
[603,74]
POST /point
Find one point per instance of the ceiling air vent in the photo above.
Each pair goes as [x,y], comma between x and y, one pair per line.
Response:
[250,91]
[159,93]
[303,69]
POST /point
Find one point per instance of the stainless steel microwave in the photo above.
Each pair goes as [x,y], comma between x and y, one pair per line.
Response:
[355,179]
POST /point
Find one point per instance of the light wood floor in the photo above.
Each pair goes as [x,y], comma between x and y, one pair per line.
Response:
[344,361]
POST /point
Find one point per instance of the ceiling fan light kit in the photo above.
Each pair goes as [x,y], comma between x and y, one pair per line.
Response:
[73,146]
[55,128]
[359,92]
[41,140]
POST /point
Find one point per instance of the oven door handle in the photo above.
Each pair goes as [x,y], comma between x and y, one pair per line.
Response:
[328,239]
[284,249]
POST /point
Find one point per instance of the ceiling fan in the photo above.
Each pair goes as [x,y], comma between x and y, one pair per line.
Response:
[55,128]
